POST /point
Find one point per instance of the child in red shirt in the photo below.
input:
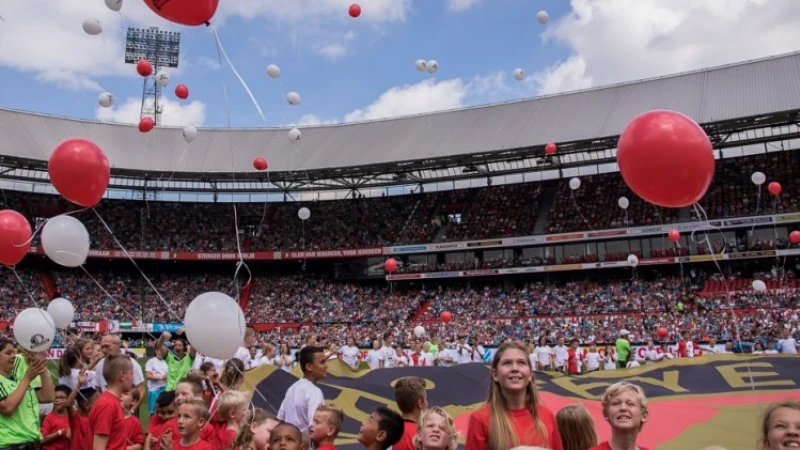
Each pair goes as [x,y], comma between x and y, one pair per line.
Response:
[325,426]
[192,417]
[134,436]
[573,358]
[256,435]
[106,418]
[165,411]
[80,431]
[55,426]
[411,398]
[189,388]
[231,412]
[625,409]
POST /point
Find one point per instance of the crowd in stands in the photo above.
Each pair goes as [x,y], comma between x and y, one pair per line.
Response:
[358,222]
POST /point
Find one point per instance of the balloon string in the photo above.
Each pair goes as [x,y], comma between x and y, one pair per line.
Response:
[701,213]
[758,205]
[572,194]
[44,222]
[241,80]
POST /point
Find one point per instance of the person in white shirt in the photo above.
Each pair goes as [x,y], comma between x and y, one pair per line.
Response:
[200,359]
[478,352]
[155,370]
[543,355]
[351,355]
[464,351]
[267,355]
[400,359]
[593,358]
[304,397]
[652,355]
[243,354]
[388,350]
[561,353]
[788,344]
[332,352]
[609,358]
[532,355]
[112,345]
[375,356]
[285,360]
[446,356]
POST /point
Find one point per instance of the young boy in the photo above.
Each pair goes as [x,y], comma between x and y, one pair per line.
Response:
[231,412]
[81,432]
[192,418]
[134,437]
[325,427]
[55,426]
[382,429]
[286,436]
[304,397]
[165,411]
[412,399]
[188,389]
[106,417]
[625,409]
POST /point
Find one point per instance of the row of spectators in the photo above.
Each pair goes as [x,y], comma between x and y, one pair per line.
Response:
[490,212]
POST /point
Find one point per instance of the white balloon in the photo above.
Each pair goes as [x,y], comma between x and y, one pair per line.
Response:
[304,213]
[273,71]
[34,330]
[542,17]
[293,98]
[105,99]
[574,183]
[215,325]
[432,66]
[162,78]
[65,241]
[623,202]
[420,65]
[295,134]
[519,74]
[419,331]
[758,178]
[759,286]
[189,133]
[114,5]
[62,312]
[633,260]
[92,27]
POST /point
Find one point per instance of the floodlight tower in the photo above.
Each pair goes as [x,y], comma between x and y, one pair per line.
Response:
[161,48]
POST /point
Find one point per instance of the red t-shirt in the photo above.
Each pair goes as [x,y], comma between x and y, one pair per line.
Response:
[51,424]
[81,433]
[133,431]
[207,434]
[572,362]
[524,427]
[225,437]
[407,441]
[332,447]
[200,445]
[606,446]
[107,419]
[155,429]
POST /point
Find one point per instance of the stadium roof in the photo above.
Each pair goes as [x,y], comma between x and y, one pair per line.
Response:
[579,121]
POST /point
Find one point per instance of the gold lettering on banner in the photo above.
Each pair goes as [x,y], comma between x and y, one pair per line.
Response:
[669,381]
[736,379]
[583,389]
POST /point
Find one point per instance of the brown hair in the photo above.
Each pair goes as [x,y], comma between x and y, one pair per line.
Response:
[114,365]
[199,408]
[576,428]
[408,391]
[255,417]
[335,416]
[764,439]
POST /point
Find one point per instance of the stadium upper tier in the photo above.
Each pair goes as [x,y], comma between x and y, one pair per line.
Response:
[745,90]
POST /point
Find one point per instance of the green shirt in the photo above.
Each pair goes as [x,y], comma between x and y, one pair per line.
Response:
[177,369]
[22,426]
[434,349]
[623,349]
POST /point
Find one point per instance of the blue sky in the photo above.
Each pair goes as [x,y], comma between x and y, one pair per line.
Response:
[357,69]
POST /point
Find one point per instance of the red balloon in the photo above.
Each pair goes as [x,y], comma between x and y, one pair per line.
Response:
[390,265]
[15,237]
[79,171]
[794,237]
[550,149]
[446,317]
[260,163]
[184,12]
[181,91]
[775,188]
[666,158]
[674,235]
[662,332]
[144,68]
[355,10]
[146,124]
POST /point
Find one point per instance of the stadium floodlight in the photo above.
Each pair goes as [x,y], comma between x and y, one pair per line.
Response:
[162,49]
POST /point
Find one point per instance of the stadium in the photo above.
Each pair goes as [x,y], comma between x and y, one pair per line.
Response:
[489,242]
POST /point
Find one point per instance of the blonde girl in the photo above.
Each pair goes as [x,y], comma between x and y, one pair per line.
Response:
[780,426]
[256,432]
[436,431]
[576,428]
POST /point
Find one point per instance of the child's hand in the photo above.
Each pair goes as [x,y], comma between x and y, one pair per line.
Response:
[68,433]
[82,377]
[166,440]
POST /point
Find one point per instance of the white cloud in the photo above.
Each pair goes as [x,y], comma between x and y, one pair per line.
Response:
[332,52]
[174,114]
[625,40]
[461,5]
[208,63]
[312,119]
[69,80]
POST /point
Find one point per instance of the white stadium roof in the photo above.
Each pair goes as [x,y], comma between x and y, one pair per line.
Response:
[748,89]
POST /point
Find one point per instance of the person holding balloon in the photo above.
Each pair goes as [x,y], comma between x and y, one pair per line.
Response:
[19,399]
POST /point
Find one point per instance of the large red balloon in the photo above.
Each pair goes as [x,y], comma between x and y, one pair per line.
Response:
[181,91]
[355,10]
[550,149]
[446,317]
[146,124]
[260,163]
[15,237]
[774,188]
[666,158]
[144,68]
[79,171]
[184,12]
[390,265]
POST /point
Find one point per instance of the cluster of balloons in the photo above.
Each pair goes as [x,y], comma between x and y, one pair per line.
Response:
[427,66]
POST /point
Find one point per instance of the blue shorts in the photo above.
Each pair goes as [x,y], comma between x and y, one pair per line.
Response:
[151,399]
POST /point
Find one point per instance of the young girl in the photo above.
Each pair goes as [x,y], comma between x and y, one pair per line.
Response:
[285,360]
[625,409]
[780,427]
[576,428]
[230,416]
[512,415]
[256,435]
[436,431]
